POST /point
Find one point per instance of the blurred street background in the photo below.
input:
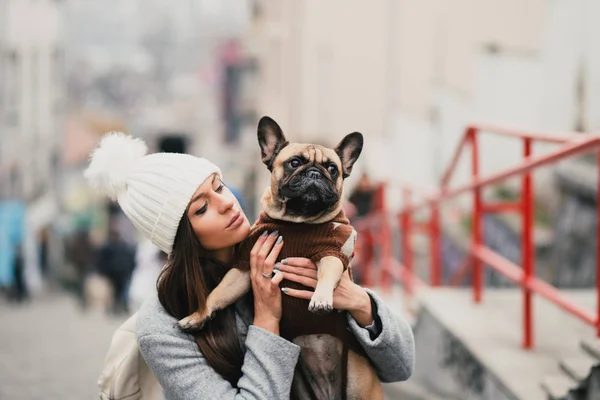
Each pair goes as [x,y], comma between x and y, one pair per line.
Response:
[195,76]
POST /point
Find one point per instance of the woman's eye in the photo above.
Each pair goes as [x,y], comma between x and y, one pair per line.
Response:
[332,170]
[201,210]
[220,188]
[295,163]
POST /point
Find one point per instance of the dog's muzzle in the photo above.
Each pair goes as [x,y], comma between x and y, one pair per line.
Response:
[309,193]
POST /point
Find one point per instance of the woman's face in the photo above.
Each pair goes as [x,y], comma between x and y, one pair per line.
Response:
[216,216]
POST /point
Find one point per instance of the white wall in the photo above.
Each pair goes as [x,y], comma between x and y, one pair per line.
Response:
[530,83]
[33,33]
[412,75]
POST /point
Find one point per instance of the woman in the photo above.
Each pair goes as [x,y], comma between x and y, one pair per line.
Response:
[180,203]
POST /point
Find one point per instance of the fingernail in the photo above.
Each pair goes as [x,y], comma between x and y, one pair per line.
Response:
[264,234]
[276,267]
[284,261]
[284,289]
[279,240]
[275,233]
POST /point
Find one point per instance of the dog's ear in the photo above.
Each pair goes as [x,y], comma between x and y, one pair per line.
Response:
[271,140]
[348,150]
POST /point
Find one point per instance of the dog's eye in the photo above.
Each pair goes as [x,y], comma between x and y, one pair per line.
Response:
[295,163]
[332,169]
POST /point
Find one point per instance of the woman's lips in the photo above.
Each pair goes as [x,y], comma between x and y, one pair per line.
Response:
[235,221]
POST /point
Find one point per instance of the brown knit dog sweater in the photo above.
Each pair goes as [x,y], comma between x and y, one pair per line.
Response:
[314,241]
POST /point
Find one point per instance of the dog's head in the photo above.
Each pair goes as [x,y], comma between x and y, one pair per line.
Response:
[306,179]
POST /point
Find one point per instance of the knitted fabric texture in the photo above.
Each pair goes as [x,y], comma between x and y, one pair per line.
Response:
[314,241]
[153,190]
[159,191]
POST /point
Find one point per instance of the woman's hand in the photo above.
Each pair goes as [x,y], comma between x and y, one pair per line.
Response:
[347,296]
[267,296]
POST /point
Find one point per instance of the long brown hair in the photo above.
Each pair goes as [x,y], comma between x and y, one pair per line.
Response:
[183,286]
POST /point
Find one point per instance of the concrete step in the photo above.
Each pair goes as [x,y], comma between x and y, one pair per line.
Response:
[591,347]
[578,368]
[576,374]
[469,349]
[557,386]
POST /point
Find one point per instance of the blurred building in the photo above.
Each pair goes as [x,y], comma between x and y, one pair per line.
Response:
[161,73]
[32,71]
[31,100]
[411,75]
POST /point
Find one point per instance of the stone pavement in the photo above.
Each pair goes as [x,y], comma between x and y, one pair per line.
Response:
[50,349]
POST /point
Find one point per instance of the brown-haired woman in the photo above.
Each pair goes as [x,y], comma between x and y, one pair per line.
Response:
[180,203]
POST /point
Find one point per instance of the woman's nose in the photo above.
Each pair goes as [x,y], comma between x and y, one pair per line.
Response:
[226,202]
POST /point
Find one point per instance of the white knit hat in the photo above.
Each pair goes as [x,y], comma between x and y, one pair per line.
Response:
[153,190]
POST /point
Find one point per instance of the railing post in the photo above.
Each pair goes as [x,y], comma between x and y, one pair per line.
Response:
[434,242]
[368,249]
[364,249]
[477,237]
[379,203]
[407,256]
[384,239]
[386,253]
[598,248]
[527,246]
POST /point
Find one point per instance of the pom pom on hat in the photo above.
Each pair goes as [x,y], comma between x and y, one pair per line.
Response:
[112,162]
[153,190]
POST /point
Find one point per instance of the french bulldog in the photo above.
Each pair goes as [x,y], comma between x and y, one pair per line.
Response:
[304,204]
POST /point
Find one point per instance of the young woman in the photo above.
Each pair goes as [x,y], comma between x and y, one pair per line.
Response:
[180,203]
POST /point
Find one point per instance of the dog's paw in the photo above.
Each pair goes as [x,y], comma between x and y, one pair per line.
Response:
[194,322]
[320,304]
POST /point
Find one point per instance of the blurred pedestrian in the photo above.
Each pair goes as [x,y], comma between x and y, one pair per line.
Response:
[44,251]
[362,200]
[149,261]
[81,252]
[116,261]
[362,195]
[19,292]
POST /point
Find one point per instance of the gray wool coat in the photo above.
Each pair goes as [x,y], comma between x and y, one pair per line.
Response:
[269,361]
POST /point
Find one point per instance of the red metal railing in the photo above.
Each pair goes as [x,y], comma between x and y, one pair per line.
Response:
[376,228]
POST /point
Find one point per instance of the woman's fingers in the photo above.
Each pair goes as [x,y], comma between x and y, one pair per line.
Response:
[299,262]
[276,280]
[303,280]
[261,250]
[269,262]
[266,247]
[308,272]
[256,249]
[300,294]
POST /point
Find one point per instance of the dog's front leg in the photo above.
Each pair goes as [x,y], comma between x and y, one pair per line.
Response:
[329,273]
[232,287]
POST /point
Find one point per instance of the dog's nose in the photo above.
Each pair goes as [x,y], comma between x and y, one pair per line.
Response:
[314,173]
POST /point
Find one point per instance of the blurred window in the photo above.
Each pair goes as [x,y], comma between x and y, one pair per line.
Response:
[13,81]
[57,74]
[35,95]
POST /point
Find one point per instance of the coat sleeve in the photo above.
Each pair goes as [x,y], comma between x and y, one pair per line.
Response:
[185,374]
[392,351]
